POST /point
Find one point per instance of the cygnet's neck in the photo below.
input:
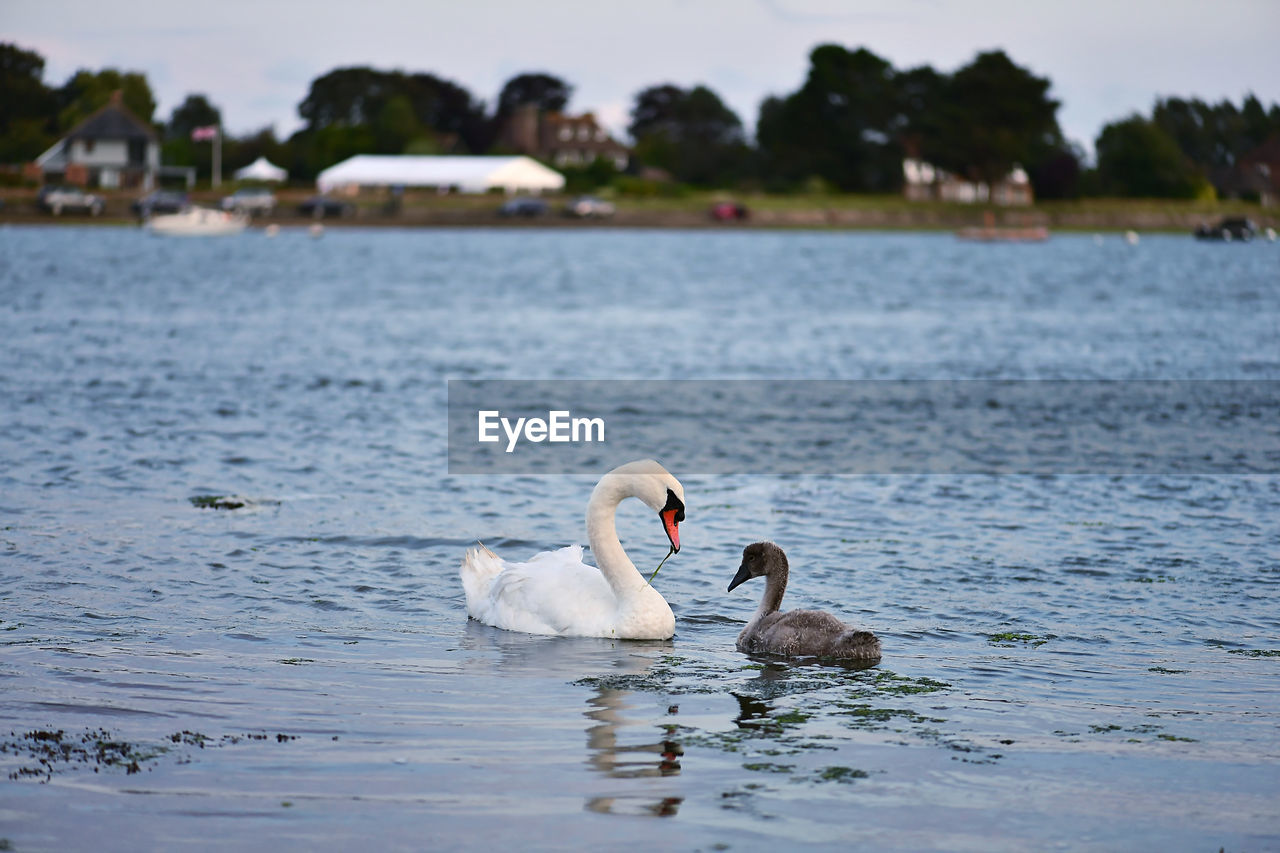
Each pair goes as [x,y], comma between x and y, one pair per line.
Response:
[602,533]
[775,586]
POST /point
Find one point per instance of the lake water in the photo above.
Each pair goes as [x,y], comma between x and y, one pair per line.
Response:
[1076,662]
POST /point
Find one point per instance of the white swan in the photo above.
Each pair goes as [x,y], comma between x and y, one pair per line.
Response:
[556,593]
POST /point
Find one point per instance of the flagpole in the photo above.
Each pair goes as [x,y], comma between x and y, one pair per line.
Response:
[217,157]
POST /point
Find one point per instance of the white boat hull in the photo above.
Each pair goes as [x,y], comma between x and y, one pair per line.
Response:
[198,222]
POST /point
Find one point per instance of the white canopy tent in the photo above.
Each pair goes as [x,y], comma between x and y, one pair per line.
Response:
[261,170]
[466,174]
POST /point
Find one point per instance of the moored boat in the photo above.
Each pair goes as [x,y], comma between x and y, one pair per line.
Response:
[992,234]
[198,222]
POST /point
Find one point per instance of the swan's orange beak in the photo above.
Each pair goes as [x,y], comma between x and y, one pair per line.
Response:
[672,514]
[671,523]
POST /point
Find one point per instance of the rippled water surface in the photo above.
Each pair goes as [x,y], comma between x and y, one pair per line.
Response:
[1071,662]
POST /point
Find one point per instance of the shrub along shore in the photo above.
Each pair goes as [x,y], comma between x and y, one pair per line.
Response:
[693,210]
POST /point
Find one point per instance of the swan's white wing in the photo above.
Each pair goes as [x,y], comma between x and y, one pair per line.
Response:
[553,593]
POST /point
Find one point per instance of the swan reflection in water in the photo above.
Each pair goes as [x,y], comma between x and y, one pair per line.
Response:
[634,770]
[630,761]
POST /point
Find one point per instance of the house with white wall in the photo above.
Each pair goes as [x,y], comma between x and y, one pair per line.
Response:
[561,139]
[110,149]
[922,181]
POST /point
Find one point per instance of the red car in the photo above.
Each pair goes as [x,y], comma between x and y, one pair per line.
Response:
[728,211]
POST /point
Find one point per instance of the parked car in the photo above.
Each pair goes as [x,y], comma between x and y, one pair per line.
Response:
[1231,228]
[728,211]
[589,207]
[59,199]
[258,201]
[321,206]
[523,207]
[160,201]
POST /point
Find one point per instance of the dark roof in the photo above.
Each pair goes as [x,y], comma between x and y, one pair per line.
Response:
[1267,152]
[113,121]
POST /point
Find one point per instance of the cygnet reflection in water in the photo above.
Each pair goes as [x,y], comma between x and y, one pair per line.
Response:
[797,632]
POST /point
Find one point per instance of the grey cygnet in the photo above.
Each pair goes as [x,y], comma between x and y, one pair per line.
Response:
[797,632]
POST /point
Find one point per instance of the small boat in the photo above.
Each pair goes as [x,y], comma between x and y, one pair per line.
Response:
[996,234]
[1230,229]
[198,222]
[992,233]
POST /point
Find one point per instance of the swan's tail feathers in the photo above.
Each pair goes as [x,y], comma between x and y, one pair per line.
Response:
[479,567]
[859,644]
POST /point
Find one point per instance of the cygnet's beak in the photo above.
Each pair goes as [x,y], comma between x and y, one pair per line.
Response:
[744,574]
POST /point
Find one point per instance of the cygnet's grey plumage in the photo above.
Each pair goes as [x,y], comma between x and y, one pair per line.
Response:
[797,632]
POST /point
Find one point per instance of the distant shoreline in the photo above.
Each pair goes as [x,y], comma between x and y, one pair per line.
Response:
[426,210]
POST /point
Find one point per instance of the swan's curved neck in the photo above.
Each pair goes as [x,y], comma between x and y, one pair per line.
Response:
[775,586]
[602,533]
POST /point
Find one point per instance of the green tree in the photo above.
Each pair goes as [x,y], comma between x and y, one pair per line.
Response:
[22,80]
[545,91]
[195,111]
[1257,125]
[450,112]
[994,114]
[855,117]
[88,91]
[315,151]
[1057,175]
[396,126]
[1215,136]
[1136,158]
[178,149]
[844,124]
[1189,124]
[344,97]
[921,94]
[356,97]
[690,133]
[27,106]
[425,142]
[600,172]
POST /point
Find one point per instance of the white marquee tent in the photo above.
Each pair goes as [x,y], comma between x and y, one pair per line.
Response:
[261,170]
[466,174]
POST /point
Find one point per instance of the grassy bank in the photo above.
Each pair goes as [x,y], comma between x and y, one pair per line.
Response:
[692,211]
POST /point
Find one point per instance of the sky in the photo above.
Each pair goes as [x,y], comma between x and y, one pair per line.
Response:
[1107,59]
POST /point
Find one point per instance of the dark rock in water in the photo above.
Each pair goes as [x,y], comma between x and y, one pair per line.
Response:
[54,750]
[218,502]
[47,752]
[227,502]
